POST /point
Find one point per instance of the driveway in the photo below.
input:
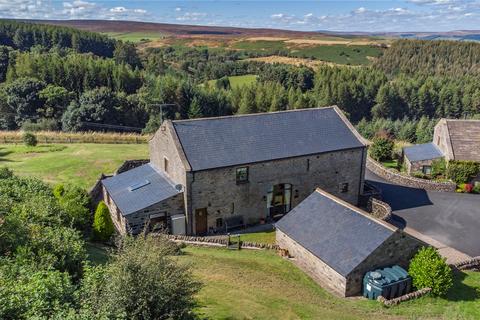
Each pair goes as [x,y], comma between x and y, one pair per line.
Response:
[451,218]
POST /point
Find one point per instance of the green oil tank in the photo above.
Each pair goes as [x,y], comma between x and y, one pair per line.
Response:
[388,282]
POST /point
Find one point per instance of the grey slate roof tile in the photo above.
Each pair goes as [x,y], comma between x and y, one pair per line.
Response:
[139,188]
[229,141]
[419,152]
[335,233]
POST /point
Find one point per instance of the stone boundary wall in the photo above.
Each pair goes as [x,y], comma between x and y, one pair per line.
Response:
[217,241]
[408,181]
[131,164]
[470,264]
[406,297]
[380,210]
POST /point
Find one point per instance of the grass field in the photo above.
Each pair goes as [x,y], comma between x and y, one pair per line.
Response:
[251,284]
[79,164]
[238,81]
[135,36]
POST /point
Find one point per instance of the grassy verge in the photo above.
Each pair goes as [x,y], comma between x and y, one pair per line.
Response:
[251,284]
[267,237]
[74,137]
[390,164]
[79,164]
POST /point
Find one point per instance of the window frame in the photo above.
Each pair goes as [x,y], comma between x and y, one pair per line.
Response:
[166,163]
[424,171]
[241,178]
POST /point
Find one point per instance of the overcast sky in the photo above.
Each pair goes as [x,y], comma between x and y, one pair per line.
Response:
[388,15]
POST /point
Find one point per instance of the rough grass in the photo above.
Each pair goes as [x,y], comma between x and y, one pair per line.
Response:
[79,164]
[74,137]
[257,284]
[135,36]
[238,81]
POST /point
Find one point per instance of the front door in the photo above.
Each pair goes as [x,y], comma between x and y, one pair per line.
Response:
[201,221]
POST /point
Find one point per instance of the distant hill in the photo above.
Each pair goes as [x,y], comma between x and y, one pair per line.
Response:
[459,35]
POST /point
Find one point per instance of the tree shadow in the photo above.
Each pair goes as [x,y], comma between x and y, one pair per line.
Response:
[461,291]
[4,153]
[401,197]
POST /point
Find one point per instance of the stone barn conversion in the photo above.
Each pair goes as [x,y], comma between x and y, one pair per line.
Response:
[336,243]
[452,140]
[218,173]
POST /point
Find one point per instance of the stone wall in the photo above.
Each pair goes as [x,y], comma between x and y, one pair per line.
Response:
[217,190]
[396,250]
[379,209]
[416,166]
[319,271]
[409,296]
[405,180]
[134,223]
[131,164]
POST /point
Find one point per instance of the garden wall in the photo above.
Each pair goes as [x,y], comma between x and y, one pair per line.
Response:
[380,210]
[408,181]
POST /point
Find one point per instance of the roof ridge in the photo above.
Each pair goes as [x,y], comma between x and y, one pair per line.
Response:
[356,209]
[251,114]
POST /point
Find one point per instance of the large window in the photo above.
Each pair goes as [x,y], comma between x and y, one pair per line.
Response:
[242,175]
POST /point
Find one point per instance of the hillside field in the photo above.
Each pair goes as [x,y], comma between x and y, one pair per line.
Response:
[79,164]
[238,81]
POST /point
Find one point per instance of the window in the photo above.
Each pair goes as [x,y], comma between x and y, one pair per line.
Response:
[165,164]
[219,222]
[343,187]
[427,169]
[242,175]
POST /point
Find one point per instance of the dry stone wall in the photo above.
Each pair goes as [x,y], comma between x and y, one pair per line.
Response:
[398,178]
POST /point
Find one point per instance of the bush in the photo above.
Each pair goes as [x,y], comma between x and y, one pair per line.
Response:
[76,204]
[382,148]
[41,125]
[142,281]
[462,171]
[58,191]
[102,223]
[429,270]
[476,189]
[29,139]
[5,173]
[439,167]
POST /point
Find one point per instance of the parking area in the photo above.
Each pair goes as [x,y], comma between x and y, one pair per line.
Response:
[451,218]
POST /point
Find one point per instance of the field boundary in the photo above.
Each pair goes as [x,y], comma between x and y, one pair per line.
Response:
[16,137]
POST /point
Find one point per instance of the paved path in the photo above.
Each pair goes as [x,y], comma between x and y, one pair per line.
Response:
[452,219]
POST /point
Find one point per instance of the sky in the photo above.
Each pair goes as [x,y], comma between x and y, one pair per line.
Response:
[313,15]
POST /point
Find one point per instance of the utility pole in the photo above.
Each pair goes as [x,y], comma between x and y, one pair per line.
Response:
[161,105]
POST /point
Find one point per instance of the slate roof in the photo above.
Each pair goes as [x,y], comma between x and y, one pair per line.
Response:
[465,139]
[139,188]
[419,152]
[334,232]
[234,140]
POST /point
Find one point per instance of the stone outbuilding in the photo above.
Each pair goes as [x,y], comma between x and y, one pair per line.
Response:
[419,157]
[241,170]
[453,139]
[336,243]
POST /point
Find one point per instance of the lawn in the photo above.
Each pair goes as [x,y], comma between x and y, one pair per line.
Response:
[259,237]
[390,164]
[238,81]
[251,284]
[79,164]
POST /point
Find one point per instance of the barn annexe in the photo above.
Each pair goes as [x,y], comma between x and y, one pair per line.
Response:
[238,170]
[336,243]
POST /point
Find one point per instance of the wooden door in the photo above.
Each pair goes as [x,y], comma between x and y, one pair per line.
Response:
[201,221]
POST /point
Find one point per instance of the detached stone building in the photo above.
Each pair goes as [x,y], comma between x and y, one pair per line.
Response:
[452,140]
[336,243]
[217,173]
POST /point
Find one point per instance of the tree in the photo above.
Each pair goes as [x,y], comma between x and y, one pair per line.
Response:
[382,147]
[29,139]
[195,110]
[56,100]
[103,228]
[247,102]
[23,98]
[125,52]
[142,281]
[429,270]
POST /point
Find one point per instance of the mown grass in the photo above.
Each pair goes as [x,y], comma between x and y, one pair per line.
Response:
[267,237]
[251,284]
[238,81]
[79,164]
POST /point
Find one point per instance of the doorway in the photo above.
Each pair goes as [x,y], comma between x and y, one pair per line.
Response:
[201,221]
[279,199]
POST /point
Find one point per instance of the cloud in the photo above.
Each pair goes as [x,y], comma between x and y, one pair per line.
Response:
[192,16]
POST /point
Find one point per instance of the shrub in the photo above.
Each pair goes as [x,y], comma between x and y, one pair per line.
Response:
[468,187]
[76,204]
[29,139]
[476,189]
[5,173]
[439,167]
[462,171]
[429,270]
[142,281]
[382,148]
[58,191]
[102,223]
